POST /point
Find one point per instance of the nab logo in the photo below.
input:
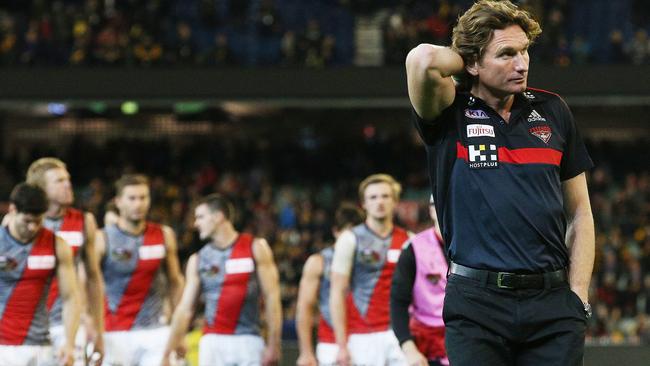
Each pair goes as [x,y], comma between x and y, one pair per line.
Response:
[536,117]
[476,114]
[544,133]
[483,156]
[480,130]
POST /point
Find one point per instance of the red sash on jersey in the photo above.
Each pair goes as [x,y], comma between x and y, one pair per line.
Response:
[325,332]
[233,290]
[138,287]
[72,221]
[378,315]
[28,292]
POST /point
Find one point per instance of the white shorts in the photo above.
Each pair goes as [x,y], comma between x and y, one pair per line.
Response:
[326,353]
[379,348]
[222,349]
[27,355]
[143,347]
[57,335]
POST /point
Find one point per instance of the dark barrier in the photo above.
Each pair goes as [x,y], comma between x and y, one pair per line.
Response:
[378,84]
[594,355]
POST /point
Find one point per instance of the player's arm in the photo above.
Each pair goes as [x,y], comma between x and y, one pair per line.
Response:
[428,70]
[68,288]
[94,282]
[340,284]
[580,234]
[267,274]
[307,298]
[174,276]
[185,308]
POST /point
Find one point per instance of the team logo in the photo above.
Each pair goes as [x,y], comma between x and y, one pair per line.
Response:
[542,132]
[483,156]
[480,130]
[369,256]
[476,114]
[7,263]
[121,254]
[210,270]
[529,95]
[535,117]
[434,278]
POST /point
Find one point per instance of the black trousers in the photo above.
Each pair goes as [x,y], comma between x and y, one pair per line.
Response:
[486,325]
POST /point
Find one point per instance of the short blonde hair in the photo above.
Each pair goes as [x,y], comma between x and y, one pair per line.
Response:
[37,169]
[380,178]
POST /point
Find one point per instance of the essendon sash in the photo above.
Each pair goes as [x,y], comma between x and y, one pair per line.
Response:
[28,292]
[239,268]
[72,231]
[378,314]
[150,256]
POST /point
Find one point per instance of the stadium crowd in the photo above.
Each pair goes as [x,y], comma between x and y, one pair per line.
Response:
[310,33]
[287,193]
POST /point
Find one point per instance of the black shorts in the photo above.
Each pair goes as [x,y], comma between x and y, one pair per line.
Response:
[487,325]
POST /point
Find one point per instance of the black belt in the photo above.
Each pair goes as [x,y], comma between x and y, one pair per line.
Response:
[512,281]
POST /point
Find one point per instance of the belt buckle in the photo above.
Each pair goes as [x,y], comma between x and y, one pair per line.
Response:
[500,279]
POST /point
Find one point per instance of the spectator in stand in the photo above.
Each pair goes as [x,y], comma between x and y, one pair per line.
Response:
[8,40]
[639,47]
[617,54]
[182,50]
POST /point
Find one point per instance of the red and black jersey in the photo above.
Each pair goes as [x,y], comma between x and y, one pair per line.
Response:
[498,185]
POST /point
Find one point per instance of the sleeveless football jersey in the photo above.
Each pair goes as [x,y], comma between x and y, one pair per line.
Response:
[26,271]
[136,286]
[230,287]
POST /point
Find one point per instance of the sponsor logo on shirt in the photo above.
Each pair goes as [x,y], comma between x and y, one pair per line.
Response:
[41,261]
[483,156]
[155,251]
[393,255]
[535,117]
[7,264]
[480,130]
[544,133]
[240,265]
[476,114]
[529,95]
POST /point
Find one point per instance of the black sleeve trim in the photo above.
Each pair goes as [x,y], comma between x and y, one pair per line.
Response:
[401,294]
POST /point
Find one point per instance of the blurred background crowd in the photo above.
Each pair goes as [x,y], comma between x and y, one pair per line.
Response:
[310,33]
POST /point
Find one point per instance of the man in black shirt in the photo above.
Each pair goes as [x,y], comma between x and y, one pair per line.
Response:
[506,164]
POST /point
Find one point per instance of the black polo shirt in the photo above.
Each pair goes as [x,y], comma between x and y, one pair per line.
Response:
[498,185]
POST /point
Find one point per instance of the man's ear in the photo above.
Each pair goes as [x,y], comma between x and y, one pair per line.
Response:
[472,68]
